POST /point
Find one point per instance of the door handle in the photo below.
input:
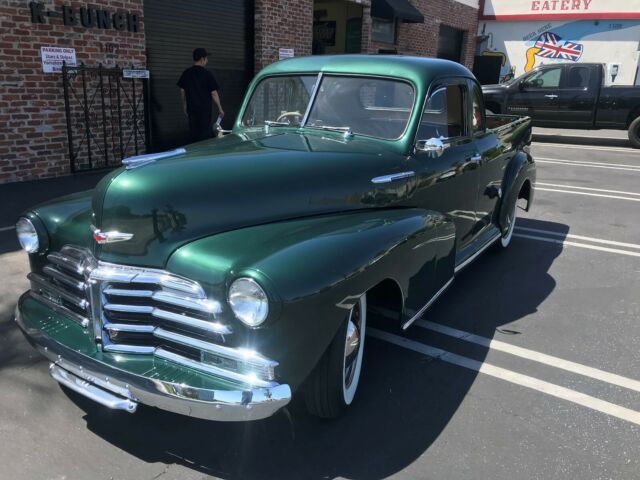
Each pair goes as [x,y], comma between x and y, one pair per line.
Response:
[551,96]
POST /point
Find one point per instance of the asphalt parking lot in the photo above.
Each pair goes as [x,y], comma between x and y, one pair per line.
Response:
[528,367]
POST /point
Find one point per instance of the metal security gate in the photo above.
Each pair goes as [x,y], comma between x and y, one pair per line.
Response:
[172,30]
[106,116]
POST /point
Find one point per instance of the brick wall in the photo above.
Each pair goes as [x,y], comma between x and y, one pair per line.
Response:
[282,24]
[422,38]
[33,138]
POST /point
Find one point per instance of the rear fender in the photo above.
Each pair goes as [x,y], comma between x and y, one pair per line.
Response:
[314,270]
[519,170]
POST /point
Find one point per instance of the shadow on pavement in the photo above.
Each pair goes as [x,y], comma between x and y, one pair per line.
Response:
[404,402]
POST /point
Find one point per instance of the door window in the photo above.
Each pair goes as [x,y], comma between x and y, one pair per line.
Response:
[477,113]
[579,77]
[548,78]
[443,115]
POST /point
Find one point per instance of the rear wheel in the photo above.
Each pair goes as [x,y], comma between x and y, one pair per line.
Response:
[634,133]
[505,239]
[333,383]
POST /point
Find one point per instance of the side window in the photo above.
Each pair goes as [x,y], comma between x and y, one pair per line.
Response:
[579,77]
[548,78]
[477,114]
[443,115]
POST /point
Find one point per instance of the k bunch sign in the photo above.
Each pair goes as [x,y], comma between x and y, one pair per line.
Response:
[87,17]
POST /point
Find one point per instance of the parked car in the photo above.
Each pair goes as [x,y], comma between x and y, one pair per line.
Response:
[219,279]
[569,96]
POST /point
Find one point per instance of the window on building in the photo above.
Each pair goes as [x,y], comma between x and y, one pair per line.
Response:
[579,77]
[443,115]
[450,43]
[548,78]
[383,30]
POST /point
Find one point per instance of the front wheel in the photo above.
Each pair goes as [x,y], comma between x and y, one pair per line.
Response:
[634,133]
[333,384]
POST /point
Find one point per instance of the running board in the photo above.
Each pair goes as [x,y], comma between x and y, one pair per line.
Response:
[477,253]
[408,323]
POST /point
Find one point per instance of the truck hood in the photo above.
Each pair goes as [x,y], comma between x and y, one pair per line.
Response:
[238,181]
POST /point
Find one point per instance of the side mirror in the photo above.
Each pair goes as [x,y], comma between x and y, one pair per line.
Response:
[522,85]
[434,146]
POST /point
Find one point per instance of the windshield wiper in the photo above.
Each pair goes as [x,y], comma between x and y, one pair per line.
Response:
[346,130]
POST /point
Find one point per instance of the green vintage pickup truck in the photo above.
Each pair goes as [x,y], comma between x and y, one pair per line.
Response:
[219,279]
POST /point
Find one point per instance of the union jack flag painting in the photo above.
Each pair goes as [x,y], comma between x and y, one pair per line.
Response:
[553,46]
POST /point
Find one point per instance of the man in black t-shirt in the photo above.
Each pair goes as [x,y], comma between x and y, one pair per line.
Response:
[199,91]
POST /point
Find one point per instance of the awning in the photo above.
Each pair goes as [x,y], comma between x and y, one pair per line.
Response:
[400,9]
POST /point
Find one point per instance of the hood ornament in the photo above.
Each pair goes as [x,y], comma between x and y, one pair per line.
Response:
[111,236]
[141,160]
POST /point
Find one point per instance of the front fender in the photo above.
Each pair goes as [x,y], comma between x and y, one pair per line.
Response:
[314,270]
[521,168]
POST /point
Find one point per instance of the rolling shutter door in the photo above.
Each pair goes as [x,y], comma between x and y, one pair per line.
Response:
[173,29]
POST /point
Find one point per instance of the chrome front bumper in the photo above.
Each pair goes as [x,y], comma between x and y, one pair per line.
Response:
[121,390]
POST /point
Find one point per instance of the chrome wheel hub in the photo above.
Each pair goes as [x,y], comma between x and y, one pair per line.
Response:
[352,346]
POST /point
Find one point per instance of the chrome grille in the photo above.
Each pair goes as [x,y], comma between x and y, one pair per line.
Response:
[136,310]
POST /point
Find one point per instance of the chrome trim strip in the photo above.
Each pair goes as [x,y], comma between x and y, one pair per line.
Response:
[408,323]
[205,306]
[251,380]
[64,278]
[392,177]
[475,255]
[42,283]
[90,391]
[60,309]
[140,160]
[216,327]
[130,328]
[111,272]
[116,307]
[126,348]
[245,357]
[64,261]
[126,292]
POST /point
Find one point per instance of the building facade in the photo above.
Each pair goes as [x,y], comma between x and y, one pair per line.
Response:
[117,96]
[515,36]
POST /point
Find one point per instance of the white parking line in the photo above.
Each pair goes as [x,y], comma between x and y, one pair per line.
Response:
[543,358]
[576,244]
[577,163]
[4,229]
[552,389]
[588,147]
[577,237]
[586,188]
[602,195]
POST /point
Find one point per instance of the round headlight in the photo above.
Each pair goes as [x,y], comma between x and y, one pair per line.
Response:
[27,235]
[248,301]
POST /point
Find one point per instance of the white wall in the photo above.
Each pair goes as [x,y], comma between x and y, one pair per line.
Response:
[470,3]
[603,41]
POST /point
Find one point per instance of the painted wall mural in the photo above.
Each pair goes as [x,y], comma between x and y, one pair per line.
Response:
[524,45]
[551,45]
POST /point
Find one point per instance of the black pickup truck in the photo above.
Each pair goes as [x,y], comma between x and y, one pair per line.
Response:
[569,96]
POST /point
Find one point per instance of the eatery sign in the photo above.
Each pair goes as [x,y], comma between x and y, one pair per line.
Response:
[560,9]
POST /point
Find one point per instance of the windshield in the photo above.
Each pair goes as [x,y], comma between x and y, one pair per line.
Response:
[361,105]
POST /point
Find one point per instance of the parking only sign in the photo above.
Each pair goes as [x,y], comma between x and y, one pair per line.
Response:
[52,58]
